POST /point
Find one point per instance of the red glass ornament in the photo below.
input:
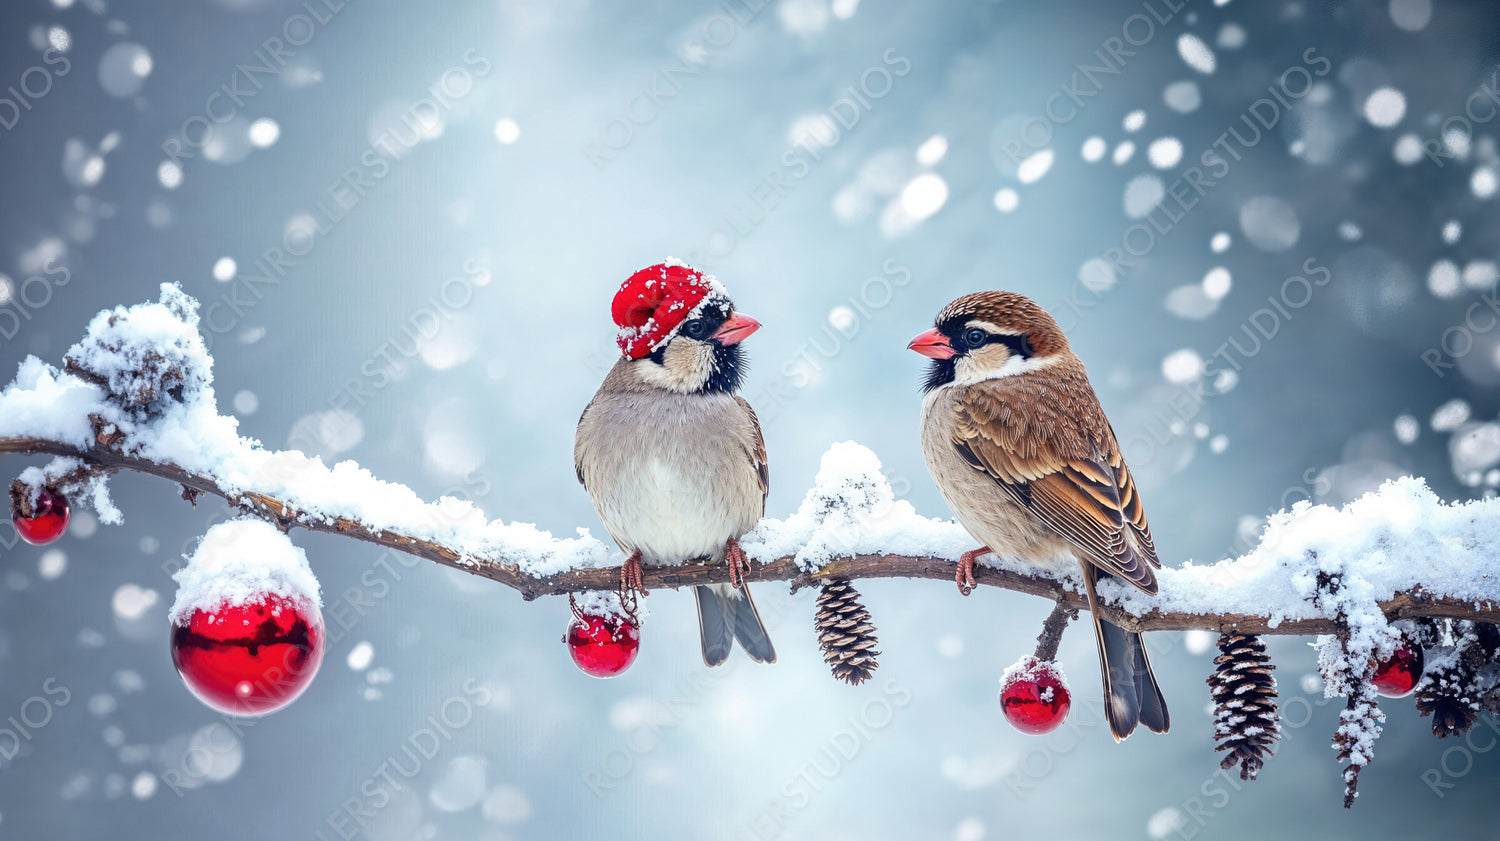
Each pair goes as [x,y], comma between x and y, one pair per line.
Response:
[603,646]
[48,521]
[1034,697]
[252,658]
[1398,676]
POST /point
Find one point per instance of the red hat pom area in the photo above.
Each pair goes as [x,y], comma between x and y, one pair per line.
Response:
[654,302]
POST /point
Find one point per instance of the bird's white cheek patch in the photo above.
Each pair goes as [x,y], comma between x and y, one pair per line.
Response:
[968,373]
[685,367]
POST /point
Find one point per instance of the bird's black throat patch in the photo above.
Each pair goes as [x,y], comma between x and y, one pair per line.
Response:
[728,369]
[939,373]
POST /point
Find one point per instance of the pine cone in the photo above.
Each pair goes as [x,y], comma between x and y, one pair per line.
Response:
[845,633]
[1488,636]
[1246,722]
[1449,691]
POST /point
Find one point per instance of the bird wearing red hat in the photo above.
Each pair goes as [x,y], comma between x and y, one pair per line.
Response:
[672,458]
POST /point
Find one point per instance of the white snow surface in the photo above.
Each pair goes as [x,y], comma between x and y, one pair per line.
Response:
[240,561]
[1393,539]
[1034,669]
[1390,540]
[851,510]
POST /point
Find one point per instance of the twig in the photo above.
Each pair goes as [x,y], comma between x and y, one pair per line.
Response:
[1406,605]
[1052,631]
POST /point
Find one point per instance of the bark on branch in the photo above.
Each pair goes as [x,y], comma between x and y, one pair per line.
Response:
[1405,605]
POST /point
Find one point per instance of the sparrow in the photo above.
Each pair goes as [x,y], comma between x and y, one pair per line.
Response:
[1017,443]
[671,456]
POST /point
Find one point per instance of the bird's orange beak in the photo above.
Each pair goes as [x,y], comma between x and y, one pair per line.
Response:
[735,329]
[933,344]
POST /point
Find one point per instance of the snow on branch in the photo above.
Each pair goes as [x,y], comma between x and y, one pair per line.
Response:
[136,394]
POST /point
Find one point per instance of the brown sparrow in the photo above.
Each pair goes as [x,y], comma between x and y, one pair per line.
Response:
[671,457]
[1016,442]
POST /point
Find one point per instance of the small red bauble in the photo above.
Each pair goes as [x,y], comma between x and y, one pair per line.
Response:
[1398,676]
[48,521]
[1034,696]
[251,658]
[603,646]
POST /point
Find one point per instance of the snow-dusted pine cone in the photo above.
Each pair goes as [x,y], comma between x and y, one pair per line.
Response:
[845,633]
[1488,637]
[1487,677]
[1450,691]
[145,363]
[1246,723]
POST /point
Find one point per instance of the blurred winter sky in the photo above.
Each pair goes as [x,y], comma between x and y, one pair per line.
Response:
[1268,229]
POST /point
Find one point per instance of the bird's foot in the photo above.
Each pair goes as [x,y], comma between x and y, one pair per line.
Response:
[739,564]
[965,574]
[632,578]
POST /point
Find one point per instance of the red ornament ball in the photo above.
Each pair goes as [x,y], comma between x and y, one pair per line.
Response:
[251,658]
[1397,676]
[48,520]
[602,646]
[1034,696]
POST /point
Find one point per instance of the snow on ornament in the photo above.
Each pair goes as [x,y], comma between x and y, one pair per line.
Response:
[40,518]
[247,625]
[603,639]
[1034,696]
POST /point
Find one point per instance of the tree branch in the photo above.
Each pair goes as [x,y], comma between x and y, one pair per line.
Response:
[1406,605]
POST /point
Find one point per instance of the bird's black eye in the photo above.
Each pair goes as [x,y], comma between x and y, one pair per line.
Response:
[695,329]
[975,337]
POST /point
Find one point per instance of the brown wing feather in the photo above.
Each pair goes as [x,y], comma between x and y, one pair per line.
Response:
[1052,462]
[758,451]
[1130,503]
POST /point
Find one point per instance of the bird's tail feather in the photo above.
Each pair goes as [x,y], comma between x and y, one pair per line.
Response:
[1131,694]
[725,615]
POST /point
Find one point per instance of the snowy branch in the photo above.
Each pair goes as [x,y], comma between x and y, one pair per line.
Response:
[1404,605]
[135,395]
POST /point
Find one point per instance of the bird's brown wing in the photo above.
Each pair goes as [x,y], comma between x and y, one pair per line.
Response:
[757,451]
[1075,482]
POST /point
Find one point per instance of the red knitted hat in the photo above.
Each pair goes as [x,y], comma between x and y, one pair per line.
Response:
[655,301]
